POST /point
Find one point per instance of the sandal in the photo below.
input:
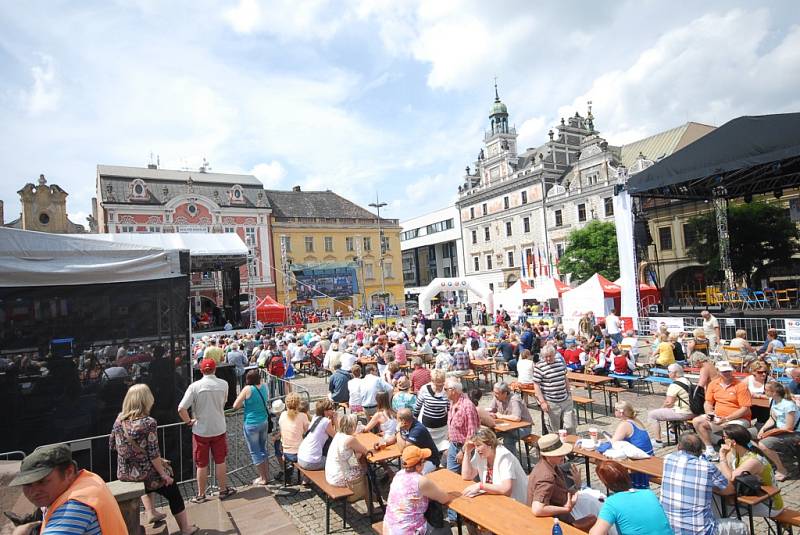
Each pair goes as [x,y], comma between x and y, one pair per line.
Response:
[200,498]
[227,493]
[192,531]
[156,517]
[780,476]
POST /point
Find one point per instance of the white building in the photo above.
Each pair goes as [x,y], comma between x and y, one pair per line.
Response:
[432,247]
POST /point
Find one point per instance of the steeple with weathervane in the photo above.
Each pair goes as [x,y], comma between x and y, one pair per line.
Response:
[496,161]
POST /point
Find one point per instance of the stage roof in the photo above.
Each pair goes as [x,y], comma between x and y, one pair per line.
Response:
[748,155]
[30,258]
[208,251]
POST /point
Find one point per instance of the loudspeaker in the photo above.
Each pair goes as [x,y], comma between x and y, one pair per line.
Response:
[641,232]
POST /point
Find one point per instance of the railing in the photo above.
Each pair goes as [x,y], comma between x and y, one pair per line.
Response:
[756,328]
[8,455]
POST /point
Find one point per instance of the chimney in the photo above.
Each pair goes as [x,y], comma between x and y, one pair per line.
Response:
[2,215]
[296,188]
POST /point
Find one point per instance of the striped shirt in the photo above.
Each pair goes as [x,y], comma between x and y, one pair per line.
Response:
[552,380]
[432,406]
[73,518]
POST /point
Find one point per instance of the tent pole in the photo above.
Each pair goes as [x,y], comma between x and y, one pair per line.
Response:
[721,214]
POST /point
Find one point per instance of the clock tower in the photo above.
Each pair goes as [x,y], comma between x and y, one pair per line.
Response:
[496,162]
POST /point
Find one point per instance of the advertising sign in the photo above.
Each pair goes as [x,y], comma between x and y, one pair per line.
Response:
[792,331]
[674,325]
[321,283]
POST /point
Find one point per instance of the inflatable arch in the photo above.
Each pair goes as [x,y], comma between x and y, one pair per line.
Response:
[452,285]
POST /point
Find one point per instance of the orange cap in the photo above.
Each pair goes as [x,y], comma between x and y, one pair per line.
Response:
[413,455]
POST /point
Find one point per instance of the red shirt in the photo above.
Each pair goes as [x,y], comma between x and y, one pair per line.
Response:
[419,378]
[573,356]
[462,420]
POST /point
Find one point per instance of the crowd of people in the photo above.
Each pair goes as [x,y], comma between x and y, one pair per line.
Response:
[406,385]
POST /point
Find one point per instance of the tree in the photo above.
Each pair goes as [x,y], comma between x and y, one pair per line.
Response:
[760,234]
[590,250]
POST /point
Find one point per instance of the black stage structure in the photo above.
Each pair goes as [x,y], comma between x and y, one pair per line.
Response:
[748,156]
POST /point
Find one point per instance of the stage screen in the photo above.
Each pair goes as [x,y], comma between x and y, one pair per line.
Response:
[322,282]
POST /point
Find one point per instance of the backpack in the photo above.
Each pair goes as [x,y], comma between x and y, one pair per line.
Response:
[275,366]
[697,397]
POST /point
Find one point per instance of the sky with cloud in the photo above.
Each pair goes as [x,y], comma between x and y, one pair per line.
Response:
[364,97]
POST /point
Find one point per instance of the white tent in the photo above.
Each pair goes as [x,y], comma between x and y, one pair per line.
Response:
[546,288]
[596,295]
[30,258]
[511,298]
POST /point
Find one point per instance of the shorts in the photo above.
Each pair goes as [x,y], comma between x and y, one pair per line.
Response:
[218,446]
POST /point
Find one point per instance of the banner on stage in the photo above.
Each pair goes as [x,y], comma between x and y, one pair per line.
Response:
[792,331]
[673,325]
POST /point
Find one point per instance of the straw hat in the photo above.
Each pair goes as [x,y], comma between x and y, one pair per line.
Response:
[550,445]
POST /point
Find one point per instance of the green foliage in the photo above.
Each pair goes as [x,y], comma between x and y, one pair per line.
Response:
[590,250]
[760,234]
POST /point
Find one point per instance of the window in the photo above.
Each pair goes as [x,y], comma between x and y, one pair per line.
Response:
[368,274]
[582,212]
[250,236]
[230,230]
[524,197]
[510,258]
[439,226]
[384,243]
[491,286]
[126,228]
[350,244]
[447,271]
[153,229]
[526,224]
[432,254]
[506,204]
[560,249]
[608,204]
[474,237]
[387,270]
[409,234]
[476,261]
[328,244]
[559,218]
[286,243]
[508,228]
[665,238]
[309,244]
[689,237]
[486,234]
[488,261]
[484,209]
[368,243]
[472,212]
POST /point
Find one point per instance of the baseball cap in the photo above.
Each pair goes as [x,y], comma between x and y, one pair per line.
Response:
[413,455]
[40,463]
[724,366]
[208,365]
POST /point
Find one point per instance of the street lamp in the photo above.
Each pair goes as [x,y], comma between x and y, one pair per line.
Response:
[378,205]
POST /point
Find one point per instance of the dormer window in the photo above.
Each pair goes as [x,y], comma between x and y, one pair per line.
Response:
[138,190]
[236,195]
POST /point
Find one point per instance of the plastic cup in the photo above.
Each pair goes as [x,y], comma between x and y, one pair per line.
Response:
[593,433]
[562,434]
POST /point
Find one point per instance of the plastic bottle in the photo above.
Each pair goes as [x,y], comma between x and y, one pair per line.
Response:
[557,527]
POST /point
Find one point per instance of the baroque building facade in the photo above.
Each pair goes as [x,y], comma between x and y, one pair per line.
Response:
[43,209]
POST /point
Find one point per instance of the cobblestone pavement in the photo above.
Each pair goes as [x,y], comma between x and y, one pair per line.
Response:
[307,509]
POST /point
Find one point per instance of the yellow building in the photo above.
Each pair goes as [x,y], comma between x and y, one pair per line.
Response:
[317,232]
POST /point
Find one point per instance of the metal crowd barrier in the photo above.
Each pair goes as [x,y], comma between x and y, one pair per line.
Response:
[756,328]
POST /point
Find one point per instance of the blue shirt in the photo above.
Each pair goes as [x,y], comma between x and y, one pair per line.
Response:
[419,435]
[686,493]
[338,386]
[636,512]
[73,518]
[779,411]
[794,388]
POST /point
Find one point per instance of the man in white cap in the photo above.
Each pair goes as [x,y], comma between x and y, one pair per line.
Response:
[728,401]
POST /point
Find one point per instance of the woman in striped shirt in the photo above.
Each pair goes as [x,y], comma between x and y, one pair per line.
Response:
[431,409]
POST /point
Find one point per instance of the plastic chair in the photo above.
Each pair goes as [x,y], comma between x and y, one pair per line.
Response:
[761,299]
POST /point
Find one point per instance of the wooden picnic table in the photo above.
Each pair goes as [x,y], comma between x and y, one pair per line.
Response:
[590,381]
[485,509]
[761,402]
[531,391]
[501,425]
[389,453]
[367,360]
[482,366]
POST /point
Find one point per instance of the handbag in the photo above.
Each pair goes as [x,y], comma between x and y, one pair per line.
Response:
[150,483]
[747,484]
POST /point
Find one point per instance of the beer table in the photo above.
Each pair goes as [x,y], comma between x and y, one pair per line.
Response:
[501,515]
[531,391]
[482,366]
[501,425]
[389,453]
[590,381]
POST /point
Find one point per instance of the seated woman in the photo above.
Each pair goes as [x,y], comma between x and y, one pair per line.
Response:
[698,343]
[525,369]
[403,398]
[665,355]
[677,347]
[740,342]
[384,418]
[409,496]
[771,343]
[736,457]
[548,494]
[293,424]
[756,381]
[311,454]
[345,465]
[632,511]
[676,405]
[632,430]
[779,437]
[497,468]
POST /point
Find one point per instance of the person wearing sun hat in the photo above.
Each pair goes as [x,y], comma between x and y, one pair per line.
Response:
[409,496]
[77,501]
[548,494]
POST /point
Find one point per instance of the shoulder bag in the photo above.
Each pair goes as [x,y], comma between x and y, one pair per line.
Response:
[150,483]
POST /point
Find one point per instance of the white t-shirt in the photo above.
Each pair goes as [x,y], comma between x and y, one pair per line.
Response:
[612,324]
[339,461]
[354,386]
[525,371]
[348,359]
[310,450]
[506,466]
[206,398]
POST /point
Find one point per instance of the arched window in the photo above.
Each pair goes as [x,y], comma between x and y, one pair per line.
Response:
[137,190]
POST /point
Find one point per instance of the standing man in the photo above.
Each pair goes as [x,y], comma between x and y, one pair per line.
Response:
[711,329]
[508,405]
[77,501]
[371,384]
[238,359]
[214,352]
[420,376]
[552,391]
[206,398]
[687,487]
[462,422]
[614,326]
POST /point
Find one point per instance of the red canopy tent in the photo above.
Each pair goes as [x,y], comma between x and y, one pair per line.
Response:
[270,311]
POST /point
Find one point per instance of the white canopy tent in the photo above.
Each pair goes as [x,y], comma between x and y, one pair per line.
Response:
[596,295]
[512,297]
[546,288]
[30,258]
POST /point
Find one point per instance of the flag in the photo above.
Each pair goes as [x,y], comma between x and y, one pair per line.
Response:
[523,265]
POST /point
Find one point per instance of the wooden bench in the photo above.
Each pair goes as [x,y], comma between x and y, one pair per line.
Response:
[611,392]
[787,519]
[377,527]
[332,494]
[582,402]
[530,441]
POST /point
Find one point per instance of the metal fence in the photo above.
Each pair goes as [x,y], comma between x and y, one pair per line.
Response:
[756,328]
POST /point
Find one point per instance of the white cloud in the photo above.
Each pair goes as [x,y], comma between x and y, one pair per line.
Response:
[45,93]
[270,174]
[288,19]
[244,17]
